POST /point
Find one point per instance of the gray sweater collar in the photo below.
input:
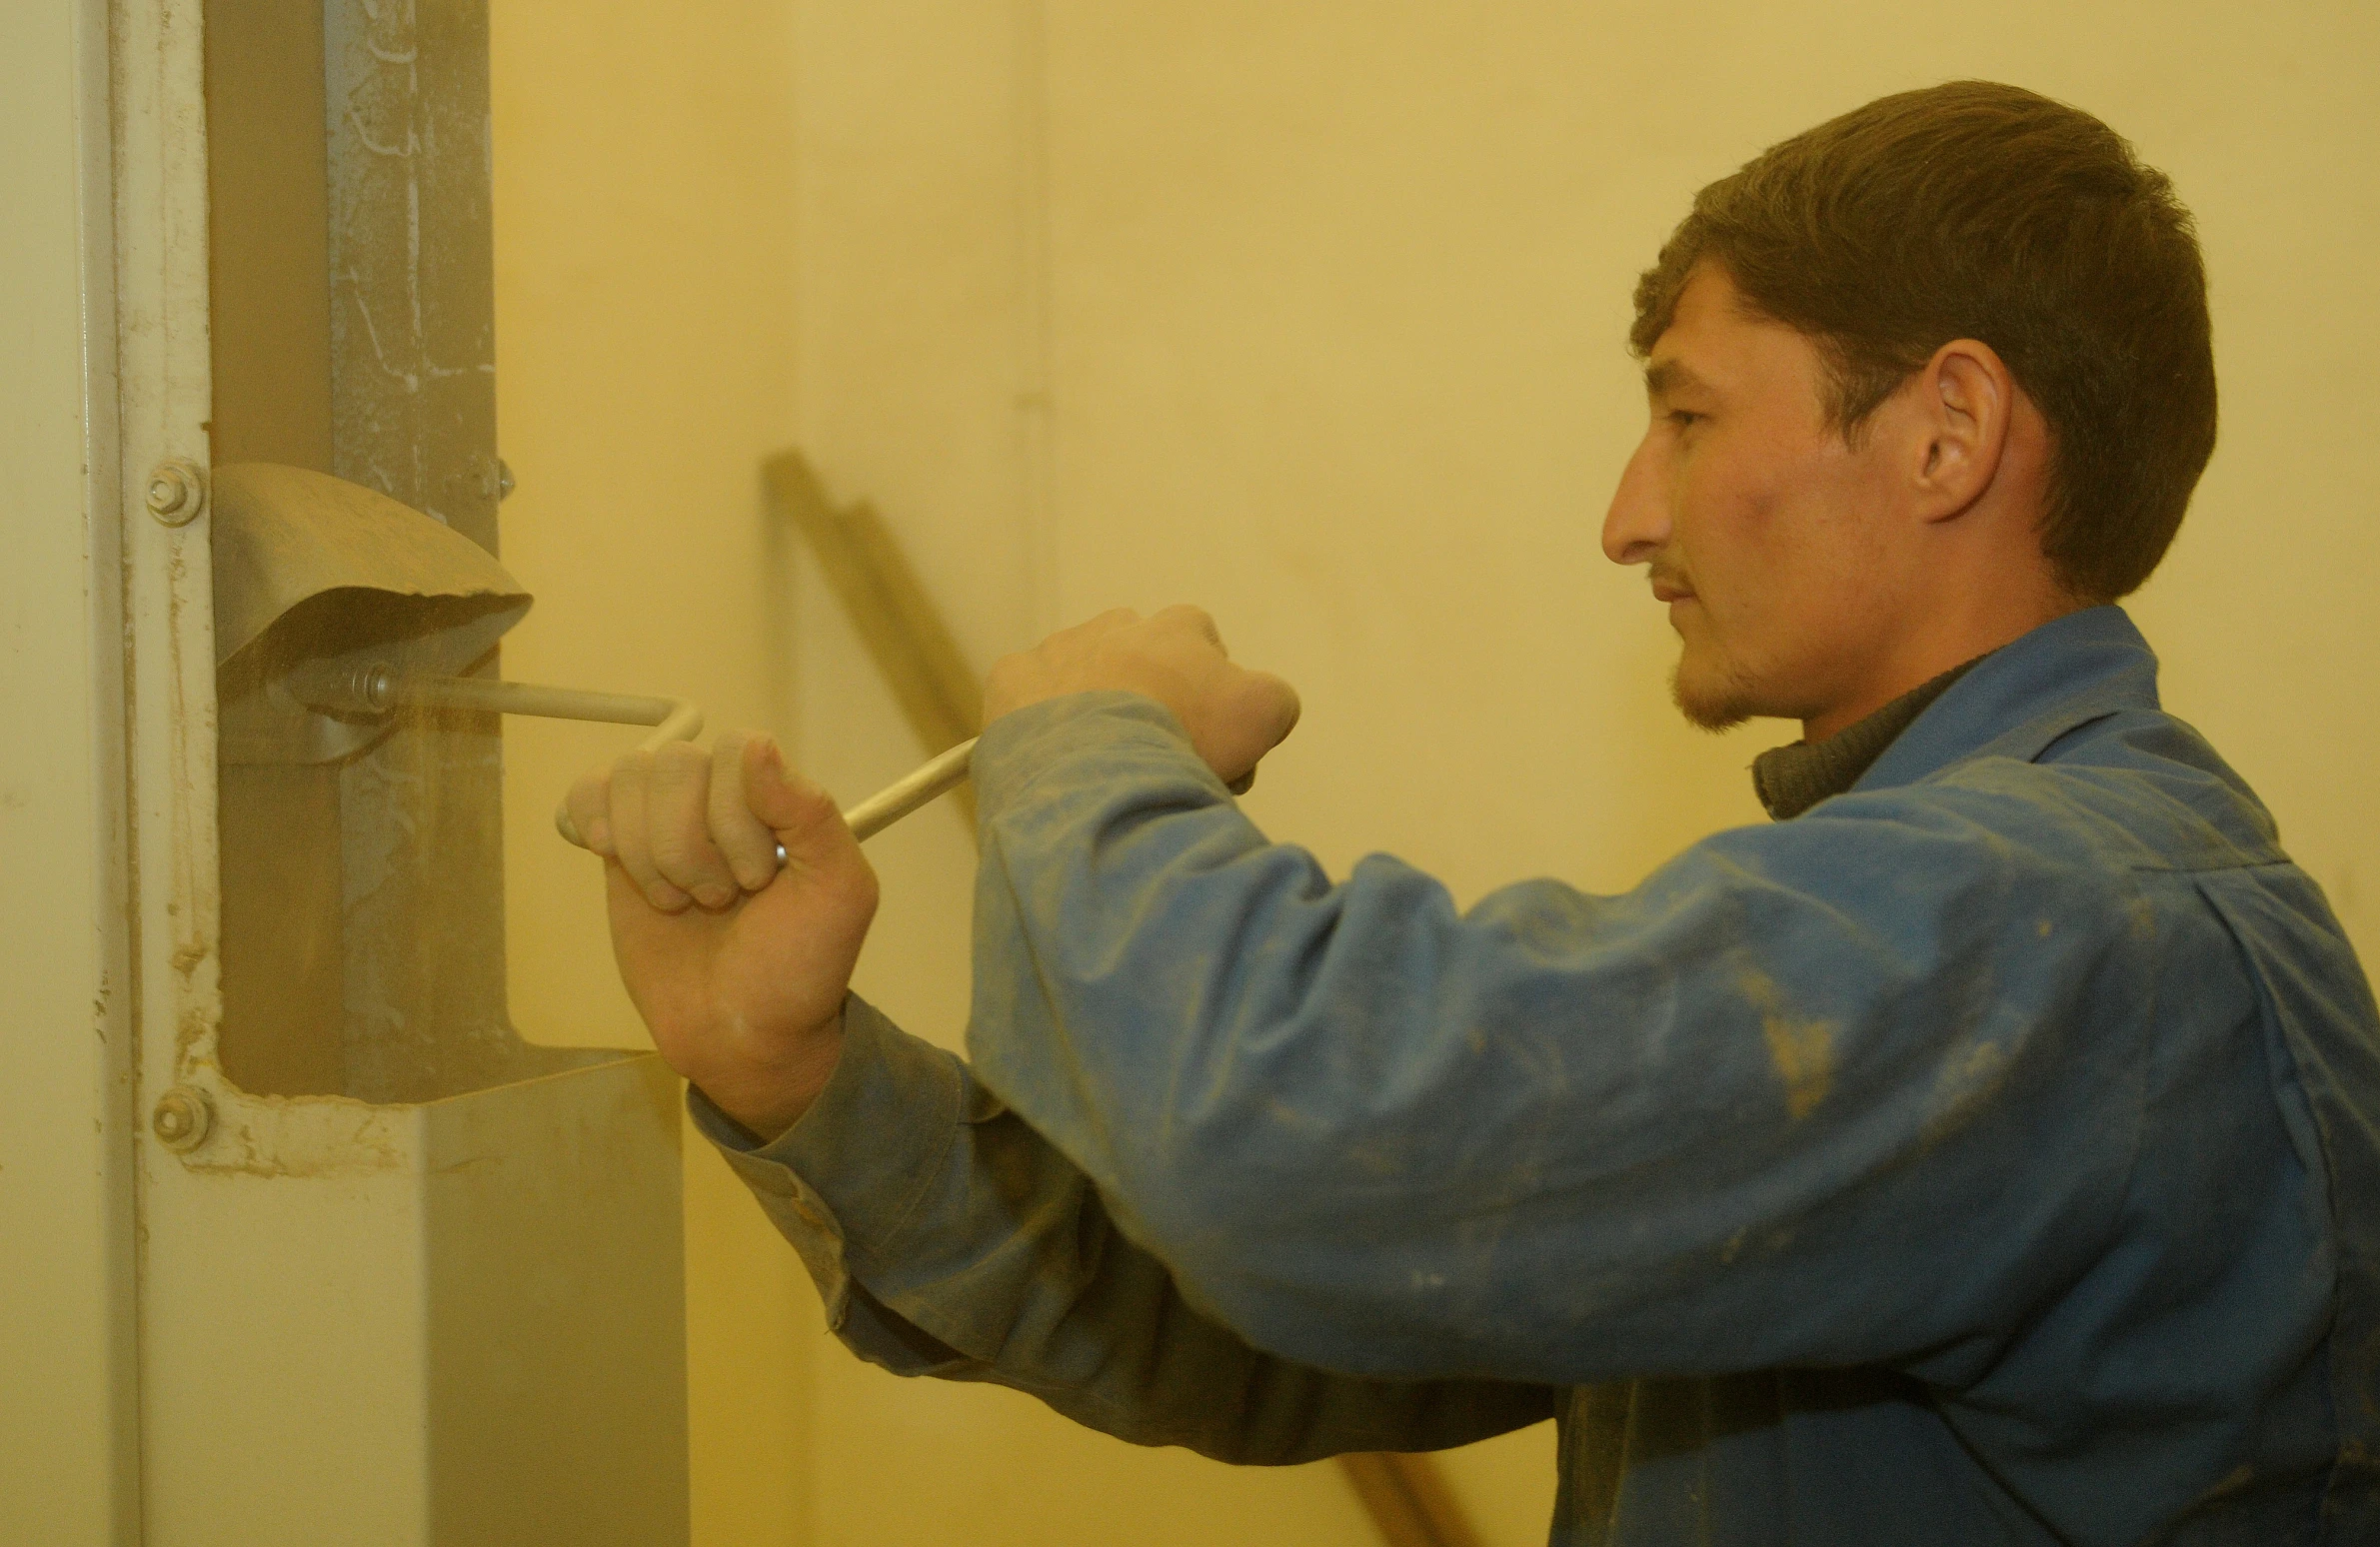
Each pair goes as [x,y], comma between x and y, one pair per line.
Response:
[1791,779]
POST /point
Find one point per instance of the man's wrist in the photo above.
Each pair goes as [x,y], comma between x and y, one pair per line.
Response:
[766,1099]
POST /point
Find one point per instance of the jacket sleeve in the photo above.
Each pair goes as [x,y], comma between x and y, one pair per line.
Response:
[947,1238]
[1860,1087]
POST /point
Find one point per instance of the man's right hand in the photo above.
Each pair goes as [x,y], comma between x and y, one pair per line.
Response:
[738,968]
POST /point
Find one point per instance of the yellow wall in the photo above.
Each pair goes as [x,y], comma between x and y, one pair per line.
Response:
[1312,314]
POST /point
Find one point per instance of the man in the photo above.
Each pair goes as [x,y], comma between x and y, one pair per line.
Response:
[1982,1153]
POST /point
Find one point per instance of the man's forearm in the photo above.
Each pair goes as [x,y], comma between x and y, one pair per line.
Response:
[949,1239]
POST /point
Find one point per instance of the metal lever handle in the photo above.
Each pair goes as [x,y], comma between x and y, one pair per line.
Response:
[907,794]
[374,689]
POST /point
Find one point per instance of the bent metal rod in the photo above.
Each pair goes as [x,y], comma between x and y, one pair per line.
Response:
[376,689]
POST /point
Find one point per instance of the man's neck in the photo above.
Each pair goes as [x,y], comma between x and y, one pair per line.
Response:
[1791,779]
[1950,636]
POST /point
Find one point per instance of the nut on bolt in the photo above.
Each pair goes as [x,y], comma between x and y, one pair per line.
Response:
[182,1119]
[177,490]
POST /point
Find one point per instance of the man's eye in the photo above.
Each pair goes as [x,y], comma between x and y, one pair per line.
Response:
[1683,418]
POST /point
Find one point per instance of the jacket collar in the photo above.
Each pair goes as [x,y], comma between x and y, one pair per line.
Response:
[2025,696]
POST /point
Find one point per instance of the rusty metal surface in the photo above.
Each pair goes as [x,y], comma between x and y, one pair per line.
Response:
[412,256]
[413,415]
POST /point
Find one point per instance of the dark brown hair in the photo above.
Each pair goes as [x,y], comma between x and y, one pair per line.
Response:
[1982,211]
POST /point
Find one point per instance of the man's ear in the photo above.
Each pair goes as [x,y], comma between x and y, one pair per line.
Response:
[1966,396]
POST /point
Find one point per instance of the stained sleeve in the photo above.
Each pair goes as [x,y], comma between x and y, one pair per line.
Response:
[947,1238]
[1859,1088]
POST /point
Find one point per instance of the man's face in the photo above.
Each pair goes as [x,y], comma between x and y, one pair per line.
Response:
[1765,532]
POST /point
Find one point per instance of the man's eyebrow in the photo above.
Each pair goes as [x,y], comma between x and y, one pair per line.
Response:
[1670,376]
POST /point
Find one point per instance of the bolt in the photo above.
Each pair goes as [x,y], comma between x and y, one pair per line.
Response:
[504,478]
[182,1119]
[177,490]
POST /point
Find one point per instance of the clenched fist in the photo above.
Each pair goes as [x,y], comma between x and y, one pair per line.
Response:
[738,968]
[1234,716]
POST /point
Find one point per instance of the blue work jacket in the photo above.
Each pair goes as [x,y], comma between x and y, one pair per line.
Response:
[1988,1156]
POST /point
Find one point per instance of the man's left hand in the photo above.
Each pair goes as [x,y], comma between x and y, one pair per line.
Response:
[1234,716]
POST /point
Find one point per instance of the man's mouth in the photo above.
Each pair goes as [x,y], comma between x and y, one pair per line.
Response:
[1665,590]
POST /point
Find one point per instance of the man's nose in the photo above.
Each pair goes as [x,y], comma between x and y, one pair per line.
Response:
[1637,525]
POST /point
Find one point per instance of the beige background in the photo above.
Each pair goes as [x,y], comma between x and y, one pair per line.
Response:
[1312,314]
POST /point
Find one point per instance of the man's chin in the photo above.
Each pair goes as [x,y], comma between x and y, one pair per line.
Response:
[1710,701]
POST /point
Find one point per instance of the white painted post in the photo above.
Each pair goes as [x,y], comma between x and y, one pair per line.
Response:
[448,1313]
[68,1418]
